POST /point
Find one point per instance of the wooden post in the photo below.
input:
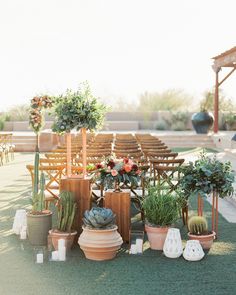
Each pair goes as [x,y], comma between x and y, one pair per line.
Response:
[200,205]
[81,188]
[119,203]
[215,213]
[84,155]
[216,102]
[68,154]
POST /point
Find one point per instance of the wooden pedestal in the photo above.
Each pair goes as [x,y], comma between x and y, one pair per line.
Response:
[82,192]
[119,203]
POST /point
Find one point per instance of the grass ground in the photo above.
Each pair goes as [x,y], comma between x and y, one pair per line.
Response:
[149,274]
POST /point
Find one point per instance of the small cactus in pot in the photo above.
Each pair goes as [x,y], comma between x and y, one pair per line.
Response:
[65,217]
[197,225]
[198,230]
[100,239]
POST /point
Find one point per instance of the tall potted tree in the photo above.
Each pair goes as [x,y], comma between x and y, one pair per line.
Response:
[81,111]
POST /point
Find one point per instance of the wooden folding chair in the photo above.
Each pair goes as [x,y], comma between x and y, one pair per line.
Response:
[53,175]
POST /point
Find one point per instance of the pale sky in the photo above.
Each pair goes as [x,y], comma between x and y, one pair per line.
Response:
[122,47]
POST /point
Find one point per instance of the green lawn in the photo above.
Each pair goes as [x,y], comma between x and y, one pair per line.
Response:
[149,274]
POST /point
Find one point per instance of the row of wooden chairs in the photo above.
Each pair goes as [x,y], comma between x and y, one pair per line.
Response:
[6,148]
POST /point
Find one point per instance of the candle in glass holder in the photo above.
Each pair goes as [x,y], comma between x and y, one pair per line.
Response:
[61,243]
[39,258]
[23,234]
[139,246]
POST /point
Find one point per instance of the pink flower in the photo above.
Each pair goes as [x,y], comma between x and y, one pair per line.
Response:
[114,172]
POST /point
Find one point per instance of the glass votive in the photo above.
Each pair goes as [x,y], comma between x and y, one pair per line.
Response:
[133,249]
[39,258]
[139,245]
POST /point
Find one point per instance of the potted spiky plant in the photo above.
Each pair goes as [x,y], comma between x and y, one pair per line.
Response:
[66,210]
[161,210]
[100,239]
[39,220]
[198,230]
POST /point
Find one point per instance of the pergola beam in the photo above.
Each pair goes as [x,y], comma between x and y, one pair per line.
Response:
[226,59]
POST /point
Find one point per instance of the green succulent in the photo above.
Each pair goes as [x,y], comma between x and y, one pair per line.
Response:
[197,225]
[99,218]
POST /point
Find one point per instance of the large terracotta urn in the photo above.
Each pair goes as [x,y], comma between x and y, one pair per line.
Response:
[100,244]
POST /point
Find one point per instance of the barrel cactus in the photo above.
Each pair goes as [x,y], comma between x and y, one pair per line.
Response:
[66,211]
[197,225]
[99,218]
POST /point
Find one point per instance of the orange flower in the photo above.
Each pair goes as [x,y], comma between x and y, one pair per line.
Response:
[127,168]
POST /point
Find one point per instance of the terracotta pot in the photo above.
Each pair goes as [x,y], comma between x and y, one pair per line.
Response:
[100,244]
[38,226]
[206,241]
[156,236]
[56,235]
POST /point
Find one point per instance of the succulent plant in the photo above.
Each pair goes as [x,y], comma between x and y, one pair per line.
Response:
[99,218]
[66,211]
[197,225]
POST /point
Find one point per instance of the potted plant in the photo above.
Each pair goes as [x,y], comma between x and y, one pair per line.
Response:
[161,210]
[66,209]
[39,220]
[203,120]
[206,175]
[229,121]
[198,230]
[100,239]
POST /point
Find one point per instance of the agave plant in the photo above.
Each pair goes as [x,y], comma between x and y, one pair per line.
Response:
[99,218]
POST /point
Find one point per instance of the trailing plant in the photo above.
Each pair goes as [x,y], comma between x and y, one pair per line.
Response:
[79,109]
[197,225]
[66,211]
[206,175]
[99,218]
[161,208]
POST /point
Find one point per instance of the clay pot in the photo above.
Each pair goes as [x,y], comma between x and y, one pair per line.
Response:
[100,244]
[38,226]
[56,235]
[206,241]
[156,236]
[202,122]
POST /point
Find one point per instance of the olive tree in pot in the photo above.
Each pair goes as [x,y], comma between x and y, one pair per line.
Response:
[39,220]
[79,110]
[161,210]
[198,230]
[100,239]
[66,209]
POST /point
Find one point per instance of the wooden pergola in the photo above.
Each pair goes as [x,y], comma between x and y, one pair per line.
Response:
[226,59]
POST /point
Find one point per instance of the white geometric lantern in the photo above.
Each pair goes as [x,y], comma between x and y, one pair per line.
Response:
[193,251]
[19,221]
[173,244]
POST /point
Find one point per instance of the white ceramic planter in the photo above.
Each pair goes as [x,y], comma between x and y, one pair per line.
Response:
[173,244]
[193,251]
[19,221]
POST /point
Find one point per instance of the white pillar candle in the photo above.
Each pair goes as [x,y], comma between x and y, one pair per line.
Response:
[39,258]
[62,254]
[55,256]
[133,249]
[23,235]
[139,246]
[61,243]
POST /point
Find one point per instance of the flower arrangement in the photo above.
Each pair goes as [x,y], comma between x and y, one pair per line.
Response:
[38,103]
[114,172]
